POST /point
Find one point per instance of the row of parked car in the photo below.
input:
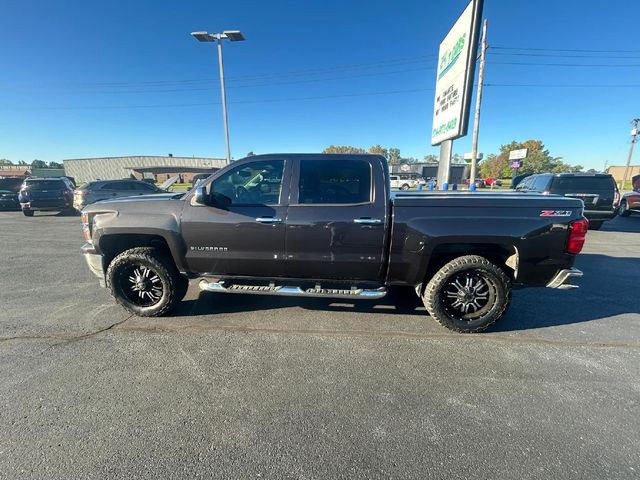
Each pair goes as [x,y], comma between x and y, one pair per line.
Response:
[61,194]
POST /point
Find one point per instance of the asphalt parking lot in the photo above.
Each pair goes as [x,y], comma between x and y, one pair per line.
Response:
[257,387]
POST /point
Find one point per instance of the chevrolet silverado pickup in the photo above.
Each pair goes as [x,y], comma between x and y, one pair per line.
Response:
[316,225]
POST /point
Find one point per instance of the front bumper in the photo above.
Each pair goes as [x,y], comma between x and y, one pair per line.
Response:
[94,262]
[562,277]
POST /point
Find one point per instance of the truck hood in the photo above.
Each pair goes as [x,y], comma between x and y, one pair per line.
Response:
[157,197]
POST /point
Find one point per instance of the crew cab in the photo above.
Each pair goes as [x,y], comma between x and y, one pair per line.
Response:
[318,225]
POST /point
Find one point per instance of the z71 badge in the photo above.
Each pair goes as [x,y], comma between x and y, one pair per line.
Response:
[555,213]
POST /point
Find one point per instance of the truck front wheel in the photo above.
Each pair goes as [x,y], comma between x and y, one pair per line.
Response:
[145,282]
[468,294]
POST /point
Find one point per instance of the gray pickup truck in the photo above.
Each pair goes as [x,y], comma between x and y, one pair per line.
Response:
[316,225]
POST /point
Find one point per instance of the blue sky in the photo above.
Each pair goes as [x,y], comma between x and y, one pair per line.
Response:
[83,79]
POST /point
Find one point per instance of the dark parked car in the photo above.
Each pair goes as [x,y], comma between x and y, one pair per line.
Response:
[598,191]
[108,189]
[328,226]
[515,181]
[9,190]
[46,194]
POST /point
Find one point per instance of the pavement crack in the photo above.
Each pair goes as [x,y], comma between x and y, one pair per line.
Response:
[63,339]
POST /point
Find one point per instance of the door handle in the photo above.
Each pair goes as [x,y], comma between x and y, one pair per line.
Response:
[367,221]
[268,220]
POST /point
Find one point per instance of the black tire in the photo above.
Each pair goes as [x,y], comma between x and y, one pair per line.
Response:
[595,225]
[27,212]
[145,282]
[623,209]
[404,187]
[486,290]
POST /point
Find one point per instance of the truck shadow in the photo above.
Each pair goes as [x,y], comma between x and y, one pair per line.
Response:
[401,301]
[608,288]
[623,224]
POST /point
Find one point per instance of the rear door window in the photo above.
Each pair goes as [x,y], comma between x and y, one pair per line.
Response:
[326,182]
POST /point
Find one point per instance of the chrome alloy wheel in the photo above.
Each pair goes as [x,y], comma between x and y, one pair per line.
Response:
[469,295]
[141,285]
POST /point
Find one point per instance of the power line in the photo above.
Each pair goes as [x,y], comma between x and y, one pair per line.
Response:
[520,54]
[613,65]
[293,73]
[564,50]
[549,85]
[268,84]
[274,100]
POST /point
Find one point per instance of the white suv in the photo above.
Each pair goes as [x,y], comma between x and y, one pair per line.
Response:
[398,183]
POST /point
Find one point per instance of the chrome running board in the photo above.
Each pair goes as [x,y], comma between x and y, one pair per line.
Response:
[288,291]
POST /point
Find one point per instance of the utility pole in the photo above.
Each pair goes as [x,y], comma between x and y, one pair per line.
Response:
[634,136]
[476,124]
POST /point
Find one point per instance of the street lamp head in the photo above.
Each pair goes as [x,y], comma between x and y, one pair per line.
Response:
[234,35]
[203,36]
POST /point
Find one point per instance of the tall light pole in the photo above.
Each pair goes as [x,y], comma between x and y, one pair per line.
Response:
[232,36]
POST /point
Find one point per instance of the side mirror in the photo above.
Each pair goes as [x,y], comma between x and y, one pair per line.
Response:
[220,201]
[200,196]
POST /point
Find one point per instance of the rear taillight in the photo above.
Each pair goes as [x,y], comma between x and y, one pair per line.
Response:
[616,199]
[577,235]
[82,192]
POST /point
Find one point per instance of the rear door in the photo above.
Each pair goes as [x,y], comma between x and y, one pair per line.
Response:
[597,192]
[337,220]
[247,237]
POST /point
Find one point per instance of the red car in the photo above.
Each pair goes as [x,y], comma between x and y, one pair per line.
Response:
[630,202]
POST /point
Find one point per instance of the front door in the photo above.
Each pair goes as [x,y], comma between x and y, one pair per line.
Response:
[336,222]
[247,237]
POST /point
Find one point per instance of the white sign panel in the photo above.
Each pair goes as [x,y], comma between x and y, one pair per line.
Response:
[451,83]
[518,154]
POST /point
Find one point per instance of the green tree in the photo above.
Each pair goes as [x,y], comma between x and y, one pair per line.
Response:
[342,149]
[55,165]
[5,162]
[379,150]
[250,154]
[38,164]
[394,156]
[22,162]
[430,158]
[538,160]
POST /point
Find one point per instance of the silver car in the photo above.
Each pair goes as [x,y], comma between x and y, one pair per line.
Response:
[107,189]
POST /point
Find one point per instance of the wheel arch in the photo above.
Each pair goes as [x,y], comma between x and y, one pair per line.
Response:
[502,254]
[112,245]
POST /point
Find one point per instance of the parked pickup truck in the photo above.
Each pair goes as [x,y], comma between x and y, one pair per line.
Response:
[327,226]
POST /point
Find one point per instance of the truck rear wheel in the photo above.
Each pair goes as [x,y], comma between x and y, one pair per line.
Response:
[468,294]
[145,282]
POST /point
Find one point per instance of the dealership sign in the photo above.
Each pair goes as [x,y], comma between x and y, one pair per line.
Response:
[518,154]
[456,68]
